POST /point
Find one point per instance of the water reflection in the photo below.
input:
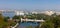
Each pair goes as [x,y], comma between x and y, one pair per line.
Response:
[26,24]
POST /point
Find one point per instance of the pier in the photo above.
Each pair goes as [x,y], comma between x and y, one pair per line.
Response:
[32,20]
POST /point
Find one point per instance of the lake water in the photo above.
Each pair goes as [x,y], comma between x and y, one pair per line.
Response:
[27,24]
[22,25]
[10,14]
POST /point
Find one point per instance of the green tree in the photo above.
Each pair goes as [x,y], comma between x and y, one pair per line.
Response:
[52,22]
[17,17]
[2,22]
[6,18]
[47,24]
[56,21]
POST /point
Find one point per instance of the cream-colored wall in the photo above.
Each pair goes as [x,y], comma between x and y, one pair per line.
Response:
[49,12]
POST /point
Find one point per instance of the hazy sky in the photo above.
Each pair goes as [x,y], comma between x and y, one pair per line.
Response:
[30,4]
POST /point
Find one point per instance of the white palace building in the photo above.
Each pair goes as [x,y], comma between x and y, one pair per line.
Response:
[33,12]
[19,12]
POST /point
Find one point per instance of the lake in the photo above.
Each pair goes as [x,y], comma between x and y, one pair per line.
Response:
[10,14]
[27,24]
[22,25]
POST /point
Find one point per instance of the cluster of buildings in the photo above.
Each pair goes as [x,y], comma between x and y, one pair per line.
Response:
[35,12]
[17,12]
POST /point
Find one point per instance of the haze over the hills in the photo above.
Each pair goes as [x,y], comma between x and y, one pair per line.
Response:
[30,4]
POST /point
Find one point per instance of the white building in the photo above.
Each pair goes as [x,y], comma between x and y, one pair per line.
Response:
[57,13]
[49,12]
[34,12]
[19,13]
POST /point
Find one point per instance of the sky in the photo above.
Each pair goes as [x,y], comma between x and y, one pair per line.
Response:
[30,4]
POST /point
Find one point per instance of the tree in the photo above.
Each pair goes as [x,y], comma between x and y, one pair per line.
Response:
[6,18]
[47,24]
[2,22]
[17,17]
[56,21]
[52,22]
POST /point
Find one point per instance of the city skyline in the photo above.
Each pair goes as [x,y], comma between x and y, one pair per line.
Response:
[30,4]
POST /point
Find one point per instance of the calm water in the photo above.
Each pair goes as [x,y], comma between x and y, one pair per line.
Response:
[25,24]
[29,24]
[10,14]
